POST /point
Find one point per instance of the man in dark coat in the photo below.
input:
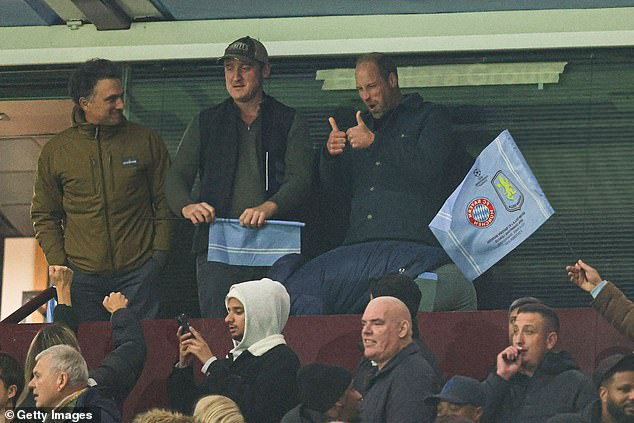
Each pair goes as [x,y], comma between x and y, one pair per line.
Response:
[396,164]
[405,289]
[326,394]
[60,386]
[403,378]
[532,382]
[614,378]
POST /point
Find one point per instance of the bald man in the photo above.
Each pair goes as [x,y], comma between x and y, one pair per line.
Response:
[402,378]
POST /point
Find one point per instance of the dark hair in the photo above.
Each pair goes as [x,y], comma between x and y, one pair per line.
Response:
[549,315]
[85,77]
[382,62]
[402,287]
[11,373]
[522,301]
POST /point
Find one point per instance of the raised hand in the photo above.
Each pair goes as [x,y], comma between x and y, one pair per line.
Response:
[62,278]
[336,140]
[584,276]
[509,362]
[115,301]
[360,136]
[192,345]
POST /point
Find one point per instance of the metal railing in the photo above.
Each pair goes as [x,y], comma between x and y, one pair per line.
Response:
[30,306]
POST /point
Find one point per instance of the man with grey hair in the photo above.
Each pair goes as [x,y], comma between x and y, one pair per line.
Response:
[60,383]
[403,378]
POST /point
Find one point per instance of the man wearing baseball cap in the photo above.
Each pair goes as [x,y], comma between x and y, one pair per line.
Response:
[326,394]
[255,161]
[614,378]
[461,396]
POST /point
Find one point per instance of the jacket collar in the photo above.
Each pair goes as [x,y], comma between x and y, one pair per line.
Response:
[91,130]
[552,364]
[410,349]
[408,102]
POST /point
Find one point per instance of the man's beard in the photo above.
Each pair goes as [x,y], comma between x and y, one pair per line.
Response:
[618,413]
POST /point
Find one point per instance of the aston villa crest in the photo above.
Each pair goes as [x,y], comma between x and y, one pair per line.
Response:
[509,193]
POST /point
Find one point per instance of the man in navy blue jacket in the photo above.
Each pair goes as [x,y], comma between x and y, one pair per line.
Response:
[402,378]
[396,166]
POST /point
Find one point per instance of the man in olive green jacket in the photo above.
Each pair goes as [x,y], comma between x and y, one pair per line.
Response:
[97,194]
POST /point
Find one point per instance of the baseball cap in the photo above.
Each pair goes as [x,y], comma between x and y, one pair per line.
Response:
[460,390]
[607,366]
[246,49]
[321,385]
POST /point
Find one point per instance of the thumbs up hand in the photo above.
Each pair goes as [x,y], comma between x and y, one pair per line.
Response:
[336,140]
[360,136]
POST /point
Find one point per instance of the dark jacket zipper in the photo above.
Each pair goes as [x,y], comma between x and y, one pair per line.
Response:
[105,199]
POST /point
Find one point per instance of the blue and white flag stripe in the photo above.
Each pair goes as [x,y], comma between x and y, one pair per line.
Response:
[233,244]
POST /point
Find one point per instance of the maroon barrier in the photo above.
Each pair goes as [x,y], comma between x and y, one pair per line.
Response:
[464,342]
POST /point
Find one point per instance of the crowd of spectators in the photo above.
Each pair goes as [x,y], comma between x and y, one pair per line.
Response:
[103,190]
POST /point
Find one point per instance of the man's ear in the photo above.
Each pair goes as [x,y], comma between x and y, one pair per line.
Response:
[62,381]
[266,71]
[404,329]
[551,340]
[83,103]
[392,79]
[603,394]
[12,391]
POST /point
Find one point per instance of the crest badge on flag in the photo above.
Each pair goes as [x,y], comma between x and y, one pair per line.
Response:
[497,206]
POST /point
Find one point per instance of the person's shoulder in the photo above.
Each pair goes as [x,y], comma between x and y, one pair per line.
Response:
[93,397]
[282,350]
[413,362]
[61,144]
[281,354]
[271,99]
[427,109]
[61,139]
[215,107]
[574,376]
[137,127]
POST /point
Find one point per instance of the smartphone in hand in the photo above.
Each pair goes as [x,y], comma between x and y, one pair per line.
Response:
[183,322]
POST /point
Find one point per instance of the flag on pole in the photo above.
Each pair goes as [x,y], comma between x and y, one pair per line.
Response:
[497,206]
[233,244]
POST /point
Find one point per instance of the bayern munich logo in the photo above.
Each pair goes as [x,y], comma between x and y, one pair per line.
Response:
[480,212]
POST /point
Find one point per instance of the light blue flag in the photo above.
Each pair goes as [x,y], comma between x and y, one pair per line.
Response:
[233,244]
[497,206]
